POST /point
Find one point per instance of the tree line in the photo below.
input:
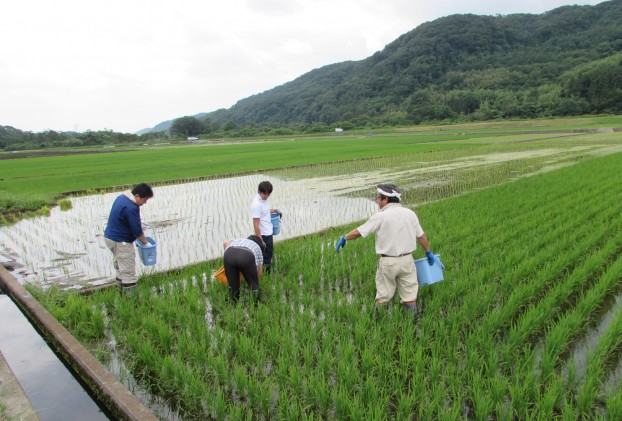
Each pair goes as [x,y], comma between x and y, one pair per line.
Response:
[12,139]
[17,140]
[460,68]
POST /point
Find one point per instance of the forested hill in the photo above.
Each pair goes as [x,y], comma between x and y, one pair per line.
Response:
[563,62]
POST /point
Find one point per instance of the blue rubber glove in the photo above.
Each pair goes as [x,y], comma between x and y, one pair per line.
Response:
[341,243]
[430,257]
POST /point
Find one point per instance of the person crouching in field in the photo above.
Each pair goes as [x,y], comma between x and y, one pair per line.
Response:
[123,228]
[397,232]
[244,256]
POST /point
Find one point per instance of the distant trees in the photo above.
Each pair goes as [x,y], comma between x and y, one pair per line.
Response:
[230,126]
[161,135]
[187,126]
[598,83]
[15,139]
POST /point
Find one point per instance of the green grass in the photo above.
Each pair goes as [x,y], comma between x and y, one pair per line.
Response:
[29,185]
[55,175]
[59,174]
[3,412]
[65,204]
[313,349]
[527,263]
[567,123]
[14,205]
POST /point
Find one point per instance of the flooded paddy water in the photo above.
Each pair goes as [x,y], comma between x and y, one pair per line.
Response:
[192,220]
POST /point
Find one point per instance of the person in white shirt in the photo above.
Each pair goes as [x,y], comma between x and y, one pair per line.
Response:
[262,222]
[397,232]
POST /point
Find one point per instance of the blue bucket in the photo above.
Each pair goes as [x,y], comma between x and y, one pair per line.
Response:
[147,253]
[427,274]
[276,223]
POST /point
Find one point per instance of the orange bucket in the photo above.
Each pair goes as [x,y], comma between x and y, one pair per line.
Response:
[222,277]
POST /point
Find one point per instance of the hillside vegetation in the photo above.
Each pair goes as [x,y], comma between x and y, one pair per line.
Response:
[563,62]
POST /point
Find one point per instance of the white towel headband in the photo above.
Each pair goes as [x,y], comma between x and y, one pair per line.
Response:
[392,194]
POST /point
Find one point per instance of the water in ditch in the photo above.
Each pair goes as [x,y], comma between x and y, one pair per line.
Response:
[50,387]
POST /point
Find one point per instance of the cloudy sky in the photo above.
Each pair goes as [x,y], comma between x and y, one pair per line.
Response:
[125,65]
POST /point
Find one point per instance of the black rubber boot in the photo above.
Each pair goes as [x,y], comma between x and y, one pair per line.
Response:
[380,310]
[256,297]
[126,290]
[129,290]
[234,295]
[412,308]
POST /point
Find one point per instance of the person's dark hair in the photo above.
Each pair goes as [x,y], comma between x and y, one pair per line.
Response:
[258,240]
[143,190]
[389,188]
[265,187]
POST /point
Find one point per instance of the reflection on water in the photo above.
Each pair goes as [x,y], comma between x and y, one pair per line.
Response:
[51,389]
[191,221]
[586,347]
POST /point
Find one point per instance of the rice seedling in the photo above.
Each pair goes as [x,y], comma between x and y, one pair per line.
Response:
[529,266]
[613,406]
[608,344]
[220,405]
[65,204]
[182,231]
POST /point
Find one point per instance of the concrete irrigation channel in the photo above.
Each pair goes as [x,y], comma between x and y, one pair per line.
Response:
[111,395]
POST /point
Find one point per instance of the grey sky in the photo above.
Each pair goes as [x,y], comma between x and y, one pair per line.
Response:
[125,65]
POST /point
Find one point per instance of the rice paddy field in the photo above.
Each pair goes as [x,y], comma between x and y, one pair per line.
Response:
[526,325]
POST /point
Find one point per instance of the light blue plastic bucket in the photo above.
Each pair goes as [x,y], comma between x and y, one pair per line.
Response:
[148,253]
[276,223]
[427,274]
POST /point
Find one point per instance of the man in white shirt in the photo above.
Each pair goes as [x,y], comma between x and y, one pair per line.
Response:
[397,232]
[262,222]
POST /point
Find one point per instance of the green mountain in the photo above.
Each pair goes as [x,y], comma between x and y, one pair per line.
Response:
[462,67]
